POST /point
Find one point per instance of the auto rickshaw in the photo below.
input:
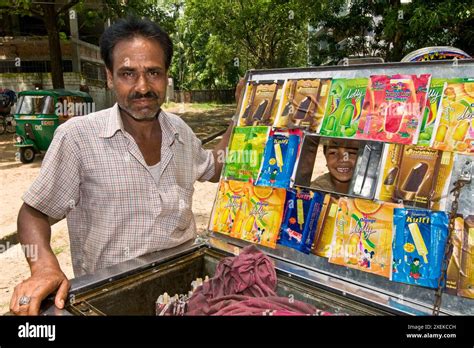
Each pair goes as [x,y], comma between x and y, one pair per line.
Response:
[40,112]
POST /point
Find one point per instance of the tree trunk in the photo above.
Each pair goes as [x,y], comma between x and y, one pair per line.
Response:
[51,23]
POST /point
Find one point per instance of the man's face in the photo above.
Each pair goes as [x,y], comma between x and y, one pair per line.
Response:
[341,162]
[139,77]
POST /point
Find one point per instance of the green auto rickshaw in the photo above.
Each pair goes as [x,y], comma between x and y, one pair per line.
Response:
[40,112]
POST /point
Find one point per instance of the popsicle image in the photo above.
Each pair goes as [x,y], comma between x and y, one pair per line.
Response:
[246,111]
[331,123]
[394,117]
[391,176]
[286,109]
[415,178]
[300,213]
[279,157]
[418,239]
[248,227]
[461,130]
[258,114]
[224,217]
[346,115]
[302,108]
[441,133]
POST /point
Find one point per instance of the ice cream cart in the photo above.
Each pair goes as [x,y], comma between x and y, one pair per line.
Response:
[132,287]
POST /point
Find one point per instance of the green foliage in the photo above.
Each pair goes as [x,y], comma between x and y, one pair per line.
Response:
[256,34]
[389,29]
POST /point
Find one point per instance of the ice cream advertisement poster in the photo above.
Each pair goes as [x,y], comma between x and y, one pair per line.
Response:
[302,211]
[226,206]
[279,158]
[303,104]
[344,107]
[392,110]
[245,153]
[363,235]
[455,122]
[260,215]
[260,103]
[418,246]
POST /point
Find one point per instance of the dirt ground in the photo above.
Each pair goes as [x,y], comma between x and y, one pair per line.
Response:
[15,178]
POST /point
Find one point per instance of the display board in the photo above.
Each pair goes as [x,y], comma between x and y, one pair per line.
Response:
[347,171]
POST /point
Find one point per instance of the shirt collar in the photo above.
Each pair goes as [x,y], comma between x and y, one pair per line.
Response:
[115,123]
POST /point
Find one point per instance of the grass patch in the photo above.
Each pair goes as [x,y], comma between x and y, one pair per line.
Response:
[58,250]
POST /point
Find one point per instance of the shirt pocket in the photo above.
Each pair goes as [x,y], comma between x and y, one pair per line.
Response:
[185,202]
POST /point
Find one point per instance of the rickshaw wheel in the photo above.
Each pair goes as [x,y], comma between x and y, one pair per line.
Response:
[2,125]
[27,155]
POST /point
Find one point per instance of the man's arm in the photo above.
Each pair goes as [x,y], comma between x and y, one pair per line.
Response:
[219,153]
[219,150]
[34,231]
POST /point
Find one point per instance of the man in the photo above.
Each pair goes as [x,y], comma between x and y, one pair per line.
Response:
[123,176]
[341,159]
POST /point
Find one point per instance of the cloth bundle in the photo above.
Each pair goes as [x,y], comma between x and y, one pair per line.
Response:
[243,285]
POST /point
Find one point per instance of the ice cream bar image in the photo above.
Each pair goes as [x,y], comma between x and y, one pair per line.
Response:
[346,116]
[286,109]
[418,239]
[441,133]
[260,110]
[300,212]
[415,178]
[246,111]
[278,155]
[393,117]
[391,176]
[461,130]
[302,109]
[248,226]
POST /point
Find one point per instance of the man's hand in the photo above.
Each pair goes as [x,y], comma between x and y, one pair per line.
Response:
[42,282]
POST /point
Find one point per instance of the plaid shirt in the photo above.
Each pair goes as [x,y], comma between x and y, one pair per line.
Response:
[94,174]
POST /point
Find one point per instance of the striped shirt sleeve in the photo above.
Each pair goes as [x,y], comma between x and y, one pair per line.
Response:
[56,190]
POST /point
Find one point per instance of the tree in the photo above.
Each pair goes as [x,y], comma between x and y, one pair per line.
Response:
[50,13]
[259,33]
[388,28]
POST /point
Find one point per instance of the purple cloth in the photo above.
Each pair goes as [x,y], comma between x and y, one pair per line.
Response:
[251,273]
[245,285]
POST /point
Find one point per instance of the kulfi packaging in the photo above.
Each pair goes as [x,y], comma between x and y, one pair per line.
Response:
[303,104]
[344,107]
[260,103]
[322,245]
[260,215]
[454,266]
[393,106]
[431,111]
[302,211]
[454,126]
[226,206]
[466,281]
[245,153]
[281,152]
[419,243]
[363,235]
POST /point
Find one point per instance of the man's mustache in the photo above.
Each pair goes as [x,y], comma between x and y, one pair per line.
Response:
[147,95]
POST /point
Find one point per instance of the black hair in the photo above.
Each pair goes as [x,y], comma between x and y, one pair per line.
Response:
[127,28]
